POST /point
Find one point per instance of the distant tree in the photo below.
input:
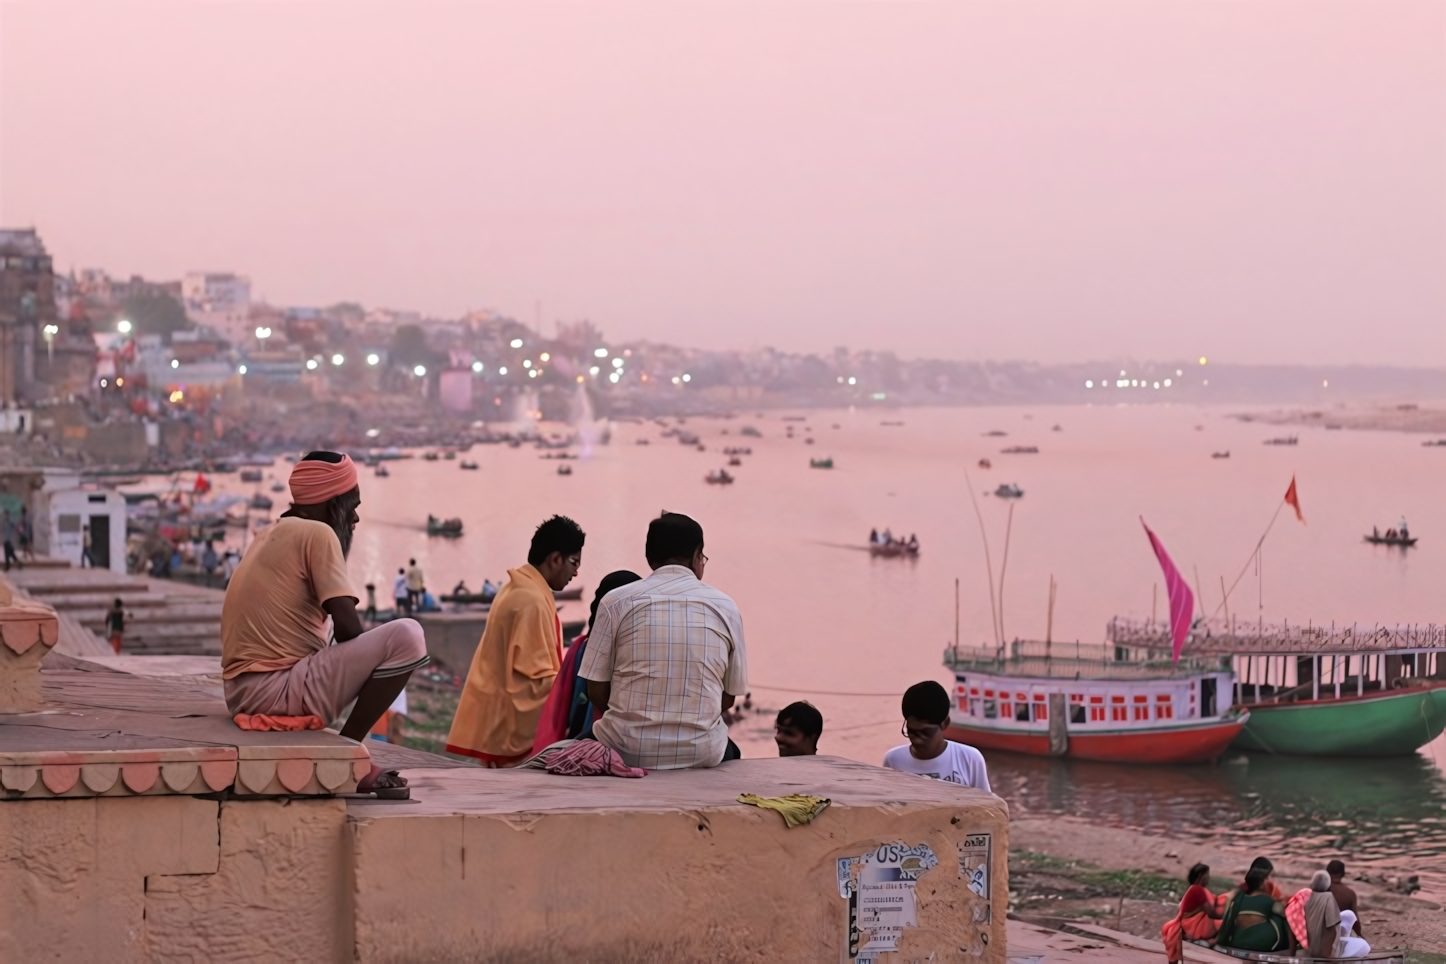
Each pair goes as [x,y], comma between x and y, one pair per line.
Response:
[154,313]
[410,347]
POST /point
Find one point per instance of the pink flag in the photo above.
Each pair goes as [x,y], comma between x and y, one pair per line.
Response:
[1182,600]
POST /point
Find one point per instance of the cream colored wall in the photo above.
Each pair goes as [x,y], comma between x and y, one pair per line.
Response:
[717,885]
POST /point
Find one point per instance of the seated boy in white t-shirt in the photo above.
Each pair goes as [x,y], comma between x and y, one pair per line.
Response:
[928,753]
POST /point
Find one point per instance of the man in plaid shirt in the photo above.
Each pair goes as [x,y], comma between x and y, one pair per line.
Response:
[666,658]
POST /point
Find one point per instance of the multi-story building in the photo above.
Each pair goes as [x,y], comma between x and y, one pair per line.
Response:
[39,357]
[220,300]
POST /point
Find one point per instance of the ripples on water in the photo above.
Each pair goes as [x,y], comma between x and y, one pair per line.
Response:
[1358,810]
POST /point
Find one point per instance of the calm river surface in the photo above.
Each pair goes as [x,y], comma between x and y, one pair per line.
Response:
[828,623]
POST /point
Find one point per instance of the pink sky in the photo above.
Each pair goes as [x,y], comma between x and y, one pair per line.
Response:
[1256,181]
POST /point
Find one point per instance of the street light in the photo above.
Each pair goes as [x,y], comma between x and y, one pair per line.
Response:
[600,353]
[420,371]
[263,332]
[50,332]
[123,326]
[338,359]
[477,367]
[373,358]
[311,364]
[175,363]
[516,343]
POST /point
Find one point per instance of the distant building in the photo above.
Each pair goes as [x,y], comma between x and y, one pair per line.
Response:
[221,300]
[40,357]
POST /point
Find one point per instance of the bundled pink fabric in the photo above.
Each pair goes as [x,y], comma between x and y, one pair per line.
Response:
[553,724]
[1295,916]
[263,722]
[314,481]
[589,758]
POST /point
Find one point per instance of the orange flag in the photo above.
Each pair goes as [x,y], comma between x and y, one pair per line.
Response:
[1293,500]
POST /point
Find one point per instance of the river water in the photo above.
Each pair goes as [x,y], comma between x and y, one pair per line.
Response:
[828,623]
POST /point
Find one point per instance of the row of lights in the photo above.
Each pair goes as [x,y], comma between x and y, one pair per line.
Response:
[1123,382]
[851,380]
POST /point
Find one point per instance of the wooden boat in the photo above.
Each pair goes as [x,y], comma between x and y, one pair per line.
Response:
[564,470]
[735,461]
[894,550]
[1021,450]
[1273,957]
[259,502]
[443,527]
[986,464]
[1009,491]
[382,472]
[250,475]
[719,477]
[469,466]
[821,463]
[1085,705]
[1283,440]
[278,487]
[1405,542]
[1220,455]
[1325,691]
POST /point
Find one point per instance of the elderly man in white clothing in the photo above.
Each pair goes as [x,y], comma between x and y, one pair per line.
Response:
[666,658]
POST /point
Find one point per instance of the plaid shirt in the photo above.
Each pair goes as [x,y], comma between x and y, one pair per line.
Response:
[671,646]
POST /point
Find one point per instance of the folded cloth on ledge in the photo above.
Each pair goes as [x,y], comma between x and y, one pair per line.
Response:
[1295,915]
[587,758]
[263,722]
[797,808]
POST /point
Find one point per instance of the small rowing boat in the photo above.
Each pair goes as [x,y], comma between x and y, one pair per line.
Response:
[719,477]
[450,528]
[1009,491]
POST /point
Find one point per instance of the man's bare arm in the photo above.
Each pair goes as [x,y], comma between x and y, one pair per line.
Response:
[598,694]
[728,700]
[344,620]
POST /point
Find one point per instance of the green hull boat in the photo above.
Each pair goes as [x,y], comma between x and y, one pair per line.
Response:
[1394,723]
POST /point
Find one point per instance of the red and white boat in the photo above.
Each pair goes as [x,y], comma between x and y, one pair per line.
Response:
[1085,705]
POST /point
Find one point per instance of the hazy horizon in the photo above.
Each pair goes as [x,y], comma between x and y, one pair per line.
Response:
[1261,183]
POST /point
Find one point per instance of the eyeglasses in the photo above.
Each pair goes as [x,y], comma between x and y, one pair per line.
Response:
[923,732]
[705,557]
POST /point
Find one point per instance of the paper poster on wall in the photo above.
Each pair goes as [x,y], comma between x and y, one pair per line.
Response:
[879,887]
[974,854]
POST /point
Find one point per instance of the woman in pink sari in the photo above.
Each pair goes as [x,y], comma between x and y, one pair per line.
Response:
[1199,916]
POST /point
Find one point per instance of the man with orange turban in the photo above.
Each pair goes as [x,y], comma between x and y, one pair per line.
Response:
[281,670]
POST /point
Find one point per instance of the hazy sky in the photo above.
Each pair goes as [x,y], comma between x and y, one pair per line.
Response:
[1255,181]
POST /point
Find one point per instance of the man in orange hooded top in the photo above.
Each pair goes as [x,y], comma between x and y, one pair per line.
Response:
[520,652]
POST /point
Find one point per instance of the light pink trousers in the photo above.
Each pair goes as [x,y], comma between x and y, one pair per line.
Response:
[326,681]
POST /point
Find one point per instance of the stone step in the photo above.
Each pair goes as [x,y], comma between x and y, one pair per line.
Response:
[178,630]
[191,612]
[172,647]
[101,600]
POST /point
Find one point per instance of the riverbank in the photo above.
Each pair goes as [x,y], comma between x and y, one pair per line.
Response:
[1063,868]
[1404,417]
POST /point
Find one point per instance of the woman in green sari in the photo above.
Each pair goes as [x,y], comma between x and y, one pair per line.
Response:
[1254,920]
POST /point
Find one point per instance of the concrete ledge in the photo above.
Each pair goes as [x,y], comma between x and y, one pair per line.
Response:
[519,865]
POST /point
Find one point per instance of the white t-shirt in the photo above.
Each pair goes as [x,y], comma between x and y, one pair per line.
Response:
[399,587]
[957,764]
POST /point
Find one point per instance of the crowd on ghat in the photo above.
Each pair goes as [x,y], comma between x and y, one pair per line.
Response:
[1320,921]
[648,686]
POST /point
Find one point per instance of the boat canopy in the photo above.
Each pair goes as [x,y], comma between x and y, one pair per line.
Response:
[1219,637]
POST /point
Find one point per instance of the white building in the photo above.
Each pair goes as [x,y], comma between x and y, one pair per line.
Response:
[220,300]
[74,517]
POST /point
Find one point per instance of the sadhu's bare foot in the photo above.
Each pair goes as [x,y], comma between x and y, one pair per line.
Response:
[386,784]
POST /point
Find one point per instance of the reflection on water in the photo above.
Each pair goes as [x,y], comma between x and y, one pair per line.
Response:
[1360,810]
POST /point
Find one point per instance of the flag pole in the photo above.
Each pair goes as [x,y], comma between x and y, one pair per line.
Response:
[1251,558]
[988,565]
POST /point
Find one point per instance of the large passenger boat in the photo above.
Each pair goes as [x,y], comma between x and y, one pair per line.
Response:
[1093,702]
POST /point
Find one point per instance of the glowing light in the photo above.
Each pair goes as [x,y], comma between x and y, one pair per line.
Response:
[420,370]
[104,382]
[1178,373]
[311,364]
[617,363]
[373,358]
[1202,359]
[1157,384]
[527,363]
[1089,384]
[120,382]
[263,332]
[1325,383]
[123,326]
[477,367]
[600,353]
[51,331]
[613,378]
[1167,383]
[1133,382]
[545,356]
[175,363]
[852,380]
[840,379]
[579,379]
[502,370]
[373,432]
[677,380]
[532,373]
[338,359]
[1122,383]
[687,377]
[177,395]
[516,343]
[594,370]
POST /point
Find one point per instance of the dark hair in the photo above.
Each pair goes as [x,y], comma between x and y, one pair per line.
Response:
[1255,879]
[610,582]
[1336,869]
[803,717]
[558,534]
[1196,872]
[1262,863]
[322,455]
[672,535]
[927,701]
[120,604]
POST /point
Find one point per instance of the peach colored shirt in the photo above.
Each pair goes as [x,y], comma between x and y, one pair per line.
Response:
[272,616]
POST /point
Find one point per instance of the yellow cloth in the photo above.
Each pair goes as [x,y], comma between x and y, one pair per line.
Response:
[797,808]
[512,672]
[272,616]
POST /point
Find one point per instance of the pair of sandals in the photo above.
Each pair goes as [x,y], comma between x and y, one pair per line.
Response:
[393,791]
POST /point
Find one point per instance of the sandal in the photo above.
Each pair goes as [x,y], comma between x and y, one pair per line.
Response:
[395,791]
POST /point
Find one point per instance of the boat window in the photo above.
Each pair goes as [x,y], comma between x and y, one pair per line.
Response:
[1164,711]
[1142,712]
[1207,696]
[1119,714]
[1006,711]
[1117,699]
[1097,699]
[1021,712]
[1077,713]
[1097,714]
[1142,698]
[991,710]
[1041,710]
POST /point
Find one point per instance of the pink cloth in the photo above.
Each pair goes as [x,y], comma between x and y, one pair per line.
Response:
[314,482]
[264,722]
[553,724]
[589,758]
[1295,916]
[1182,600]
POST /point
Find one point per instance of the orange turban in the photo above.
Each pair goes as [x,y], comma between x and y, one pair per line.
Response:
[314,481]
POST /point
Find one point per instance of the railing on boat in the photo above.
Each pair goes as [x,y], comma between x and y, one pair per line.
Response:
[1220,637]
[1029,658]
